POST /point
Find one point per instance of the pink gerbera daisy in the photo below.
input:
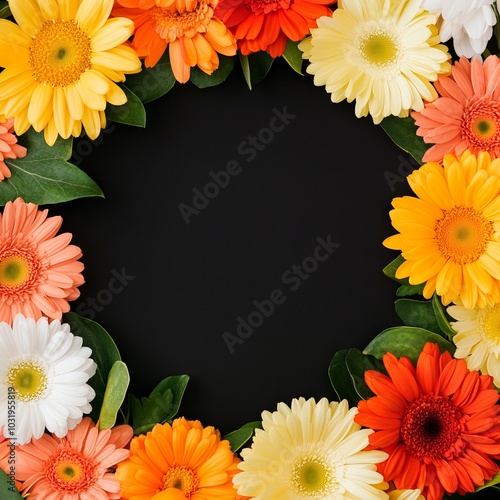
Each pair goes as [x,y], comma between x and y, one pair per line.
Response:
[467,115]
[39,271]
[8,147]
[75,467]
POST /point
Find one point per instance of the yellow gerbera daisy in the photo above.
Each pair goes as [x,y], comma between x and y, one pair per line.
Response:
[450,235]
[61,61]
[383,53]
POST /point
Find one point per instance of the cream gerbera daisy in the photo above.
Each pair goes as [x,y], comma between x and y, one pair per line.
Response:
[46,368]
[381,53]
[61,61]
[478,338]
[310,450]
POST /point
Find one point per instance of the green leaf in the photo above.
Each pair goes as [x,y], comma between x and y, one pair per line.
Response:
[160,406]
[406,288]
[8,490]
[4,9]
[152,83]
[255,67]
[44,176]
[202,80]
[405,341]
[488,484]
[114,395]
[417,313]
[347,374]
[293,56]
[104,353]
[442,317]
[403,132]
[238,438]
[130,113]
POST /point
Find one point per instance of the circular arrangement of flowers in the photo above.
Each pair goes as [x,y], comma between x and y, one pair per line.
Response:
[417,415]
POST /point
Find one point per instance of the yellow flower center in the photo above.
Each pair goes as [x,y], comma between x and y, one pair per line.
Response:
[172,24]
[379,48]
[70,472]
[29,379]
[463,234]
[489,324]
[14,271]
[182,478]
[60,53]
[484,127]
[312,476]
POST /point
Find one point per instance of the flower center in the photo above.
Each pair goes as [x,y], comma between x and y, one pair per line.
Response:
[430,428]
[266,6]
[312,476]
[463,234]
[489,325]
[60,53]
[29,379]
[481,126]
[14,271]
[172,24]
[377,49]
[20,272]
[70,472]
[182,478]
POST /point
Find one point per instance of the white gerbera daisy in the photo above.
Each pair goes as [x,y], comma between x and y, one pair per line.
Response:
[469,22]
[478,338]
[43,373]
[310,451]
[382,53]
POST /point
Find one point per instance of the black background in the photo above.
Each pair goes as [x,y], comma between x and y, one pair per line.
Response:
[327,173]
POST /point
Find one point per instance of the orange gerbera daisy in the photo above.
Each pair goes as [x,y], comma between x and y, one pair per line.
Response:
[77,466]
[188,27]
[266,25]
[438,421]
[8,147]
[467,115]
[39,271]
[182,460]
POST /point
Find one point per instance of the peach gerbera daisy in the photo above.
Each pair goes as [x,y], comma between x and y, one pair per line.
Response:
[438,421]
[61,60]
[8,147]
[193,34]
[267,25]
[39,271]
[467,115]
[448,235]
[182,460]
[77,467]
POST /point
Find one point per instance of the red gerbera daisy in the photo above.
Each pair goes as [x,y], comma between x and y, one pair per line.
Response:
[266,25]
[438,421]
